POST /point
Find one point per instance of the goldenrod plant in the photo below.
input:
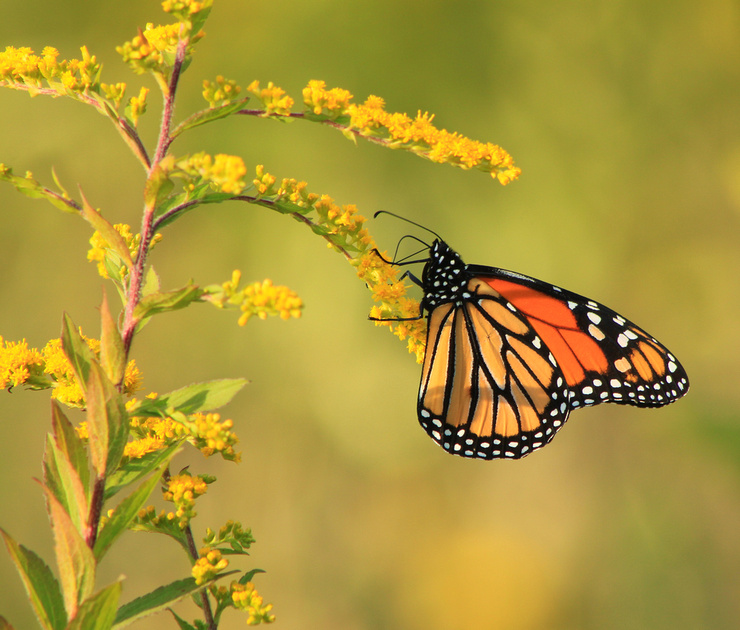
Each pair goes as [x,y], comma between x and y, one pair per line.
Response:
[99,474]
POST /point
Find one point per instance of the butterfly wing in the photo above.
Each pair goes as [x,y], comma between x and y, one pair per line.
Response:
[489,386]
[604,356]
[505,365]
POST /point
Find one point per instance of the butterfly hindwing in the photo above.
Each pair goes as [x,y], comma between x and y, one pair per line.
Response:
[490,388]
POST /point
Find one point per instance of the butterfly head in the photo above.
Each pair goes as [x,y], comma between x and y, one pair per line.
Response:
[444,278]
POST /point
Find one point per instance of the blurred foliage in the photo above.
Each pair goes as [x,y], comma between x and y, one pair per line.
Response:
[624,119]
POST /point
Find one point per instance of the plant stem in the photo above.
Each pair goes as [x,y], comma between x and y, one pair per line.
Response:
[96,509]
[147,223]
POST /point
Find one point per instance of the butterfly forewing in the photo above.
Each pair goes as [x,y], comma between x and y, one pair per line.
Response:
[604,356]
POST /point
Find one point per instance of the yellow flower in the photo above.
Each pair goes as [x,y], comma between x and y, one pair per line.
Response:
[182,490]
[400,131]
[209,565]
[264,298]
[246,597]
[221,92]
[20,68]
[19,364]
[273,98]
[225,173]
[317,99]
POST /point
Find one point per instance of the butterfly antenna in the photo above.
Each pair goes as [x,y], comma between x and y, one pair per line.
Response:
[407,221]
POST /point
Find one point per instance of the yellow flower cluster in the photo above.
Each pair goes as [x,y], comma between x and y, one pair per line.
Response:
[344,228]
[147,519]
[317,99]
[19,364]
[221,92]
[264,298]
[206,432]
[245,597]
[382,279]
[137,105]
[100,249]
[182,490]
[418,135]
[20,68]
[150,434]
[273,98]
[210,435]
[224,172]
[50,367]
[209,565]
[259,298]
[154,48]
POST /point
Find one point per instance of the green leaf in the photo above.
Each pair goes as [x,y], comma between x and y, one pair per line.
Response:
[199,397]
[77,351]
[123,515]
[97,419]
[70,444]
[107,422]
[184,625]
[197,20]
[41,585]
[136,469]
[158,186]
[159,302]
[75,560]
[160,599]
[249,576]
[61,478]
[29,187]
[107,231]
[209,115]
[112,353]
[99,611]
[151,282]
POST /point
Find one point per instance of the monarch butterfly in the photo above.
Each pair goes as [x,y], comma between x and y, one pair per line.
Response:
[508,357]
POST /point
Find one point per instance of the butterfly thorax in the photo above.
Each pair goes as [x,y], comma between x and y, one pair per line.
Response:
[444,278]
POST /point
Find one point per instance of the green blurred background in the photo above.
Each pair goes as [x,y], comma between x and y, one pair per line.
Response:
[624,117]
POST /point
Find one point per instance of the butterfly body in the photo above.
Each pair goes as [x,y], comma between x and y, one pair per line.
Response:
[508,357]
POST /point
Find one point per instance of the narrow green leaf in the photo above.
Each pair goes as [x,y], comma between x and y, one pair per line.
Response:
[99,611]
[75,560]
[107,231]
[29,187]
[41,585]
[107,422]
[70,444]
[124,514]
[112,354]
[209,115]
[160,599]
[158,186]
[249,575]
[199,397]
[136,469]
[61,478]
[97,419]
[77,351]
[184,625]
[159,302]
[118,431]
